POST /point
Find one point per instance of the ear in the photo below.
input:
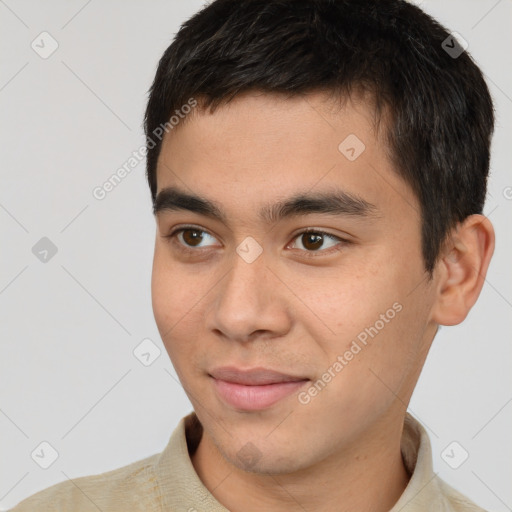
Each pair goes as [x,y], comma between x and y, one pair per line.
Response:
[462,268]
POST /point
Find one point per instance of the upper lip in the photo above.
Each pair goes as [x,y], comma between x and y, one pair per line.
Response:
[252,376]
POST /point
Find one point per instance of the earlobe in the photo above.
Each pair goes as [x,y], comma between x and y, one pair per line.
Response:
[462,268]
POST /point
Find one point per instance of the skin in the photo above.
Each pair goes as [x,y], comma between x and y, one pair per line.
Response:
[295,314]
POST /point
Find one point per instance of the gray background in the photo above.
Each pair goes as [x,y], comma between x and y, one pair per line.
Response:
[68,326]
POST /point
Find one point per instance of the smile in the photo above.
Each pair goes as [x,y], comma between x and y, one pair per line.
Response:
[254,390]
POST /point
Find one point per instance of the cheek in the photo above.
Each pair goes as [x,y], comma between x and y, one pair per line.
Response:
[368,317]
[176,299]
[380,356]
[339,302]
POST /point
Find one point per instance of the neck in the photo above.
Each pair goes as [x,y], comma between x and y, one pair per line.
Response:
[369,476]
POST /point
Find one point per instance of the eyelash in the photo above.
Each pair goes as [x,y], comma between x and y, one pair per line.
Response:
[309,254]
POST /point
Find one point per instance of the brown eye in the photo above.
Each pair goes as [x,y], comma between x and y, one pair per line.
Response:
[192,237]
[315,241]
[312,241]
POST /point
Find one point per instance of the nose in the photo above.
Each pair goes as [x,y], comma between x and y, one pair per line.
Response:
[250,303]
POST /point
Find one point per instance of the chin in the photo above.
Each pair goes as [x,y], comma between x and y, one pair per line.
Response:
[273,465]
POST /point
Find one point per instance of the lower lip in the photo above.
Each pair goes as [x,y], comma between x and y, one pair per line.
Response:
[254,398]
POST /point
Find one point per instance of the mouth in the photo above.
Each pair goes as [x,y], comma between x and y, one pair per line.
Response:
[254,389]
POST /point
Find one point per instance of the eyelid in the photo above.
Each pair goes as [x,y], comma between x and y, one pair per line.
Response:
[178,229]
[342,242]
[336,248]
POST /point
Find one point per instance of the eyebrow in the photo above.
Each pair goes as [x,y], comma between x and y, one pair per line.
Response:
[336,202]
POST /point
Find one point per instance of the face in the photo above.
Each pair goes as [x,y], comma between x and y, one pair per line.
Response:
[343,309]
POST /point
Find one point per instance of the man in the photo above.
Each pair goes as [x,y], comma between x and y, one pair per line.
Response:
[318,193]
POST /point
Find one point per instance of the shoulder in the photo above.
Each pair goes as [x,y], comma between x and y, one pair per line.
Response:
[456,501]
[132,487]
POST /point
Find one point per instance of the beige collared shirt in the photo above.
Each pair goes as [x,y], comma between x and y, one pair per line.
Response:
[167,482]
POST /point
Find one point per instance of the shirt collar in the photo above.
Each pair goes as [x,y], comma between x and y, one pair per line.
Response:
[180,486]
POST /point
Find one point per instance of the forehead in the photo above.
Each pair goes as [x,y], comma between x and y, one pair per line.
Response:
[261,146]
